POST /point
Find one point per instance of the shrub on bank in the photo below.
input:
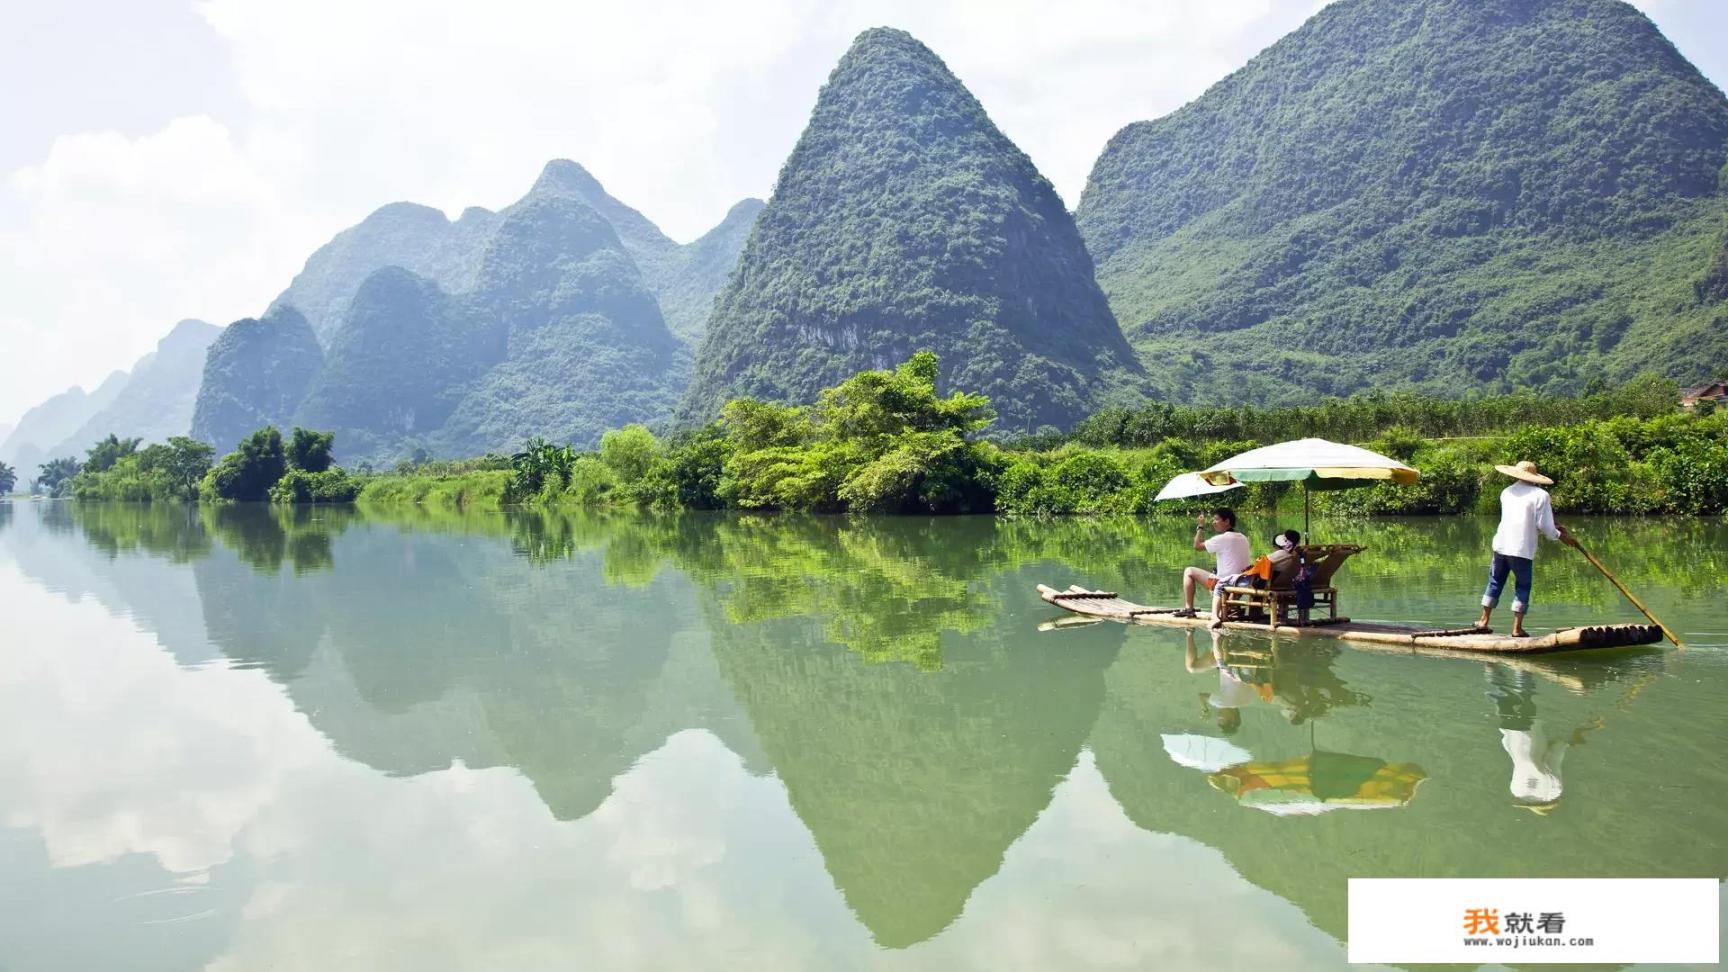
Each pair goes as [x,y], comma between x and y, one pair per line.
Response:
[328,486]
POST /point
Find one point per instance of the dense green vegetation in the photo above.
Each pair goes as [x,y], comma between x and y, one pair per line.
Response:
[116,469]
[1374,414]
[887,442]
[1440,195]
[8,478]
[905,220]
[262,467]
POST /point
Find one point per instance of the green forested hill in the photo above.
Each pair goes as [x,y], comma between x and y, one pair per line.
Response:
[558,337]
[905,221]
[684,278]
[402,234]
[585,348]
[398,362]
[255,374]
[1439,194]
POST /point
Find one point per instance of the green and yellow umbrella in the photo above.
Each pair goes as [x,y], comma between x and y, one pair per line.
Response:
[1320,782]
[1315,463]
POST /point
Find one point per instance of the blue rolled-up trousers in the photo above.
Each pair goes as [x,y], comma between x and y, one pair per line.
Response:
[1520,569]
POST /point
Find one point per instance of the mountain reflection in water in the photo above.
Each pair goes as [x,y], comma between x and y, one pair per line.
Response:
[887,680]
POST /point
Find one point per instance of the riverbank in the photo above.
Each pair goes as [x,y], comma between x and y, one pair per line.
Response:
[1673,465]
[887,442]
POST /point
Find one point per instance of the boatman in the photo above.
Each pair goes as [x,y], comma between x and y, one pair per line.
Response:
[1525,511]
[1229,547]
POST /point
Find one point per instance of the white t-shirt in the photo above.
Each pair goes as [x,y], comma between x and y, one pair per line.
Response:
[1535,763]
[1231,549]
[1233,693]
[1525,510]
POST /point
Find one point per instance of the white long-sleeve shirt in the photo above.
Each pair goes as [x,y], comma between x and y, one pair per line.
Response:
[1524,510]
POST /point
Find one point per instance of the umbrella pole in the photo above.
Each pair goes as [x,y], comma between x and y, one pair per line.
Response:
[1307,534]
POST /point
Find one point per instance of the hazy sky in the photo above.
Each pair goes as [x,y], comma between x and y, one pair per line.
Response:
[162,159]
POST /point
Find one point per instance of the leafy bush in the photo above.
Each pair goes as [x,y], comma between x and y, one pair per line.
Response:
[247,473]
[325,486]
[310,451]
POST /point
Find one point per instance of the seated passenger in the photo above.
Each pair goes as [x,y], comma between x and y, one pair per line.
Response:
[1259,574]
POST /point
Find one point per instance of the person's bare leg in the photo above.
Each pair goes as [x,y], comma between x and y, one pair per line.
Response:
[1517,624]
[1188,588]
[1482,622]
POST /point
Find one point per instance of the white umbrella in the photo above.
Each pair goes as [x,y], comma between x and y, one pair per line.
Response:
[1191,484]
[1208,754]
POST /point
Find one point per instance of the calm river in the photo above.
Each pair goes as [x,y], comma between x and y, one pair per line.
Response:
[252,739]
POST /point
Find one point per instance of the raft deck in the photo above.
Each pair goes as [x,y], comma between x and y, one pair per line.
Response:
[1108,606]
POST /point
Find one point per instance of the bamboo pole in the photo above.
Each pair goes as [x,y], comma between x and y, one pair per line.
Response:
[1622,589]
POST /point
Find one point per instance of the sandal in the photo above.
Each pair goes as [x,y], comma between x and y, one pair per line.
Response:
[1184,613]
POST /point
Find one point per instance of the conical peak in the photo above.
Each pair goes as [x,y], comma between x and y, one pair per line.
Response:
[884,49]
[565,176]
[889,82]
[888,41]
[189,331]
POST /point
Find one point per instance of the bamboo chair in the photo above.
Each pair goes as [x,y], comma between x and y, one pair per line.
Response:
[1278,599]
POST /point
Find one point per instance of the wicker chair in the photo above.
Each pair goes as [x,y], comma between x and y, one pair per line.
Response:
[1278,599]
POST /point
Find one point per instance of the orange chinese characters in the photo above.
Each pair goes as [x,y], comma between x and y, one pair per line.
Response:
[1482,921]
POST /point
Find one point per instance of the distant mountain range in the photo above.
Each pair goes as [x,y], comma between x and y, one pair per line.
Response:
[1437,195]
[413,335]
[152,402]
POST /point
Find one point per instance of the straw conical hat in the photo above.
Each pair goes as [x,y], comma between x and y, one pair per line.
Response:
[1526,471]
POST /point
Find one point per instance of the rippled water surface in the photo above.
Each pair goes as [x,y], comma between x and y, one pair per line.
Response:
[250,739]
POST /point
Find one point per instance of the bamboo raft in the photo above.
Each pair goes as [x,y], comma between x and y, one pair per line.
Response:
[1108,606]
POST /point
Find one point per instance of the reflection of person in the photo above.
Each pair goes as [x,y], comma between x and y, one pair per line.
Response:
[1229,547]
[1233,692]
[1536,759]
[1525,510]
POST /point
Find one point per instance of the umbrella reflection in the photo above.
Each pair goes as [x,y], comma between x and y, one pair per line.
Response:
[1320,782]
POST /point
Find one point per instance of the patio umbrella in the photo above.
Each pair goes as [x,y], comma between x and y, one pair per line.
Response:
[1320,782]
[1315,463]
[1191,484]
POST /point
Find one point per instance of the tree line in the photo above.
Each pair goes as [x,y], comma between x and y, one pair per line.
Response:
[887,442]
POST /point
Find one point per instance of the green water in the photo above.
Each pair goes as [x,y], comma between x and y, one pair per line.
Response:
[246,739]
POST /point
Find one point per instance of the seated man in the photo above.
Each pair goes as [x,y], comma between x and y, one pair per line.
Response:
[1229,547]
